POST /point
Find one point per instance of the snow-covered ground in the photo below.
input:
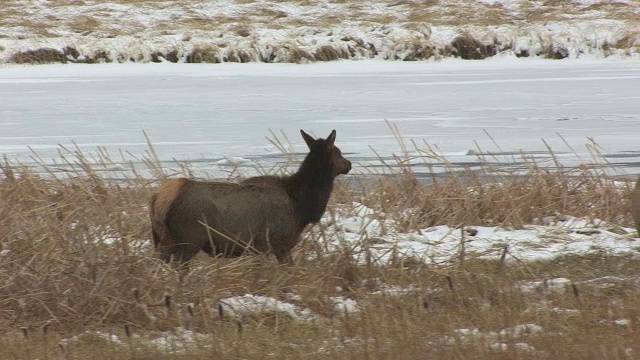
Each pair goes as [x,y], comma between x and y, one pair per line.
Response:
[355,227]
[218,116]
[298,31]
[551,238]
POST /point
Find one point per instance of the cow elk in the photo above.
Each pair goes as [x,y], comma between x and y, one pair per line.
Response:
[264,214]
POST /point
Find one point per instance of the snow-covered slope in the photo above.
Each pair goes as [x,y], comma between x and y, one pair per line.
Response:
[303,31]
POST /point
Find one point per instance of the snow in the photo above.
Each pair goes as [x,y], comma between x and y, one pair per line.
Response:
[552,286]
[254,305]
[273,31]
[92,336]
[441,244]
[344,306]
[249,305]
[622,322]
[466,335]
[462,333]
[499,346]
[520,346]
[177,341]
[393,290]
[233,161]
[618,322]
[521,330]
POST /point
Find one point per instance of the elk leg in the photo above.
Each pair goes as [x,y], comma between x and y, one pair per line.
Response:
[284,257]
[163,253]
[209,248]
[184,253]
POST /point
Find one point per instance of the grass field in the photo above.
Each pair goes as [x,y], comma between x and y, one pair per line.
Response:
[77,279]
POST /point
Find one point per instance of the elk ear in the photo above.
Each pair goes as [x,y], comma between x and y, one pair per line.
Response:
[308,139]
[331,139]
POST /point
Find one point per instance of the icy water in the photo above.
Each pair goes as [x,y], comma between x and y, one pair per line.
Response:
[217,116]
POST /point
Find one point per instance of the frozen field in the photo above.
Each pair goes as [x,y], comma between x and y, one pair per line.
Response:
[220,115]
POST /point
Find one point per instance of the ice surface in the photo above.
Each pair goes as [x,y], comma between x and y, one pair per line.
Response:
[215,114]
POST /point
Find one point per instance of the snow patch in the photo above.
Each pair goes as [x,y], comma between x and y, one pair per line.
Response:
[618,322]
[521,330]
[92,336]
[364,229]
[233,161]
[344,305]
[177,341]
[556,285]
[393,290]
[254,305]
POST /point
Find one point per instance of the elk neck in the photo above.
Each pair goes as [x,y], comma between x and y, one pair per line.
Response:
[310,188]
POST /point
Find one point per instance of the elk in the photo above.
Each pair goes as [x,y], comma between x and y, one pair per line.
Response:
[263,214]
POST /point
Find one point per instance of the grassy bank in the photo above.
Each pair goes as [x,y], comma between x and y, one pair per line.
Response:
[63,31]
[77,280]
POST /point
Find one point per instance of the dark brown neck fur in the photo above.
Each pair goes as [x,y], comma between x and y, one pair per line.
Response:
[310,188]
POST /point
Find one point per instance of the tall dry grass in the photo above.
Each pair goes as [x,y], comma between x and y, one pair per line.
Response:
[489,193]
[75,269]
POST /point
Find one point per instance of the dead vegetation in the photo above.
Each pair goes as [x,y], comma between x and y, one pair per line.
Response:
[483,195]
[243,30]
[39,56]
[469,48]
[68,54]
[77,280]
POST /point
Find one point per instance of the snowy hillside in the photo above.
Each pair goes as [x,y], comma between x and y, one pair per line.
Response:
[306,31]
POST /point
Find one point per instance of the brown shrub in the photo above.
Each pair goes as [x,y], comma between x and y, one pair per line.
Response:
[96,58]
[171,56]
[330,53]
[467,47]
[38,56]
[239,56]
[205,54]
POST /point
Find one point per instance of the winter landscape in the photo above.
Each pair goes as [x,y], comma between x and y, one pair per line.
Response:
[487,215]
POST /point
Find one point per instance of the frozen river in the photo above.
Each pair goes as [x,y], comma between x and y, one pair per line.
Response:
[208,112]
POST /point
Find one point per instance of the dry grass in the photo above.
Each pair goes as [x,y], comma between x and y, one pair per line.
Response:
[485,195]
[83,23]
[67,54]
[246,29]
[459,12]
[467,47]
[75,259]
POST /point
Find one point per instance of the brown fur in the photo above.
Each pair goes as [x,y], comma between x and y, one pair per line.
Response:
[635,205]
[158,206]
[263,214]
